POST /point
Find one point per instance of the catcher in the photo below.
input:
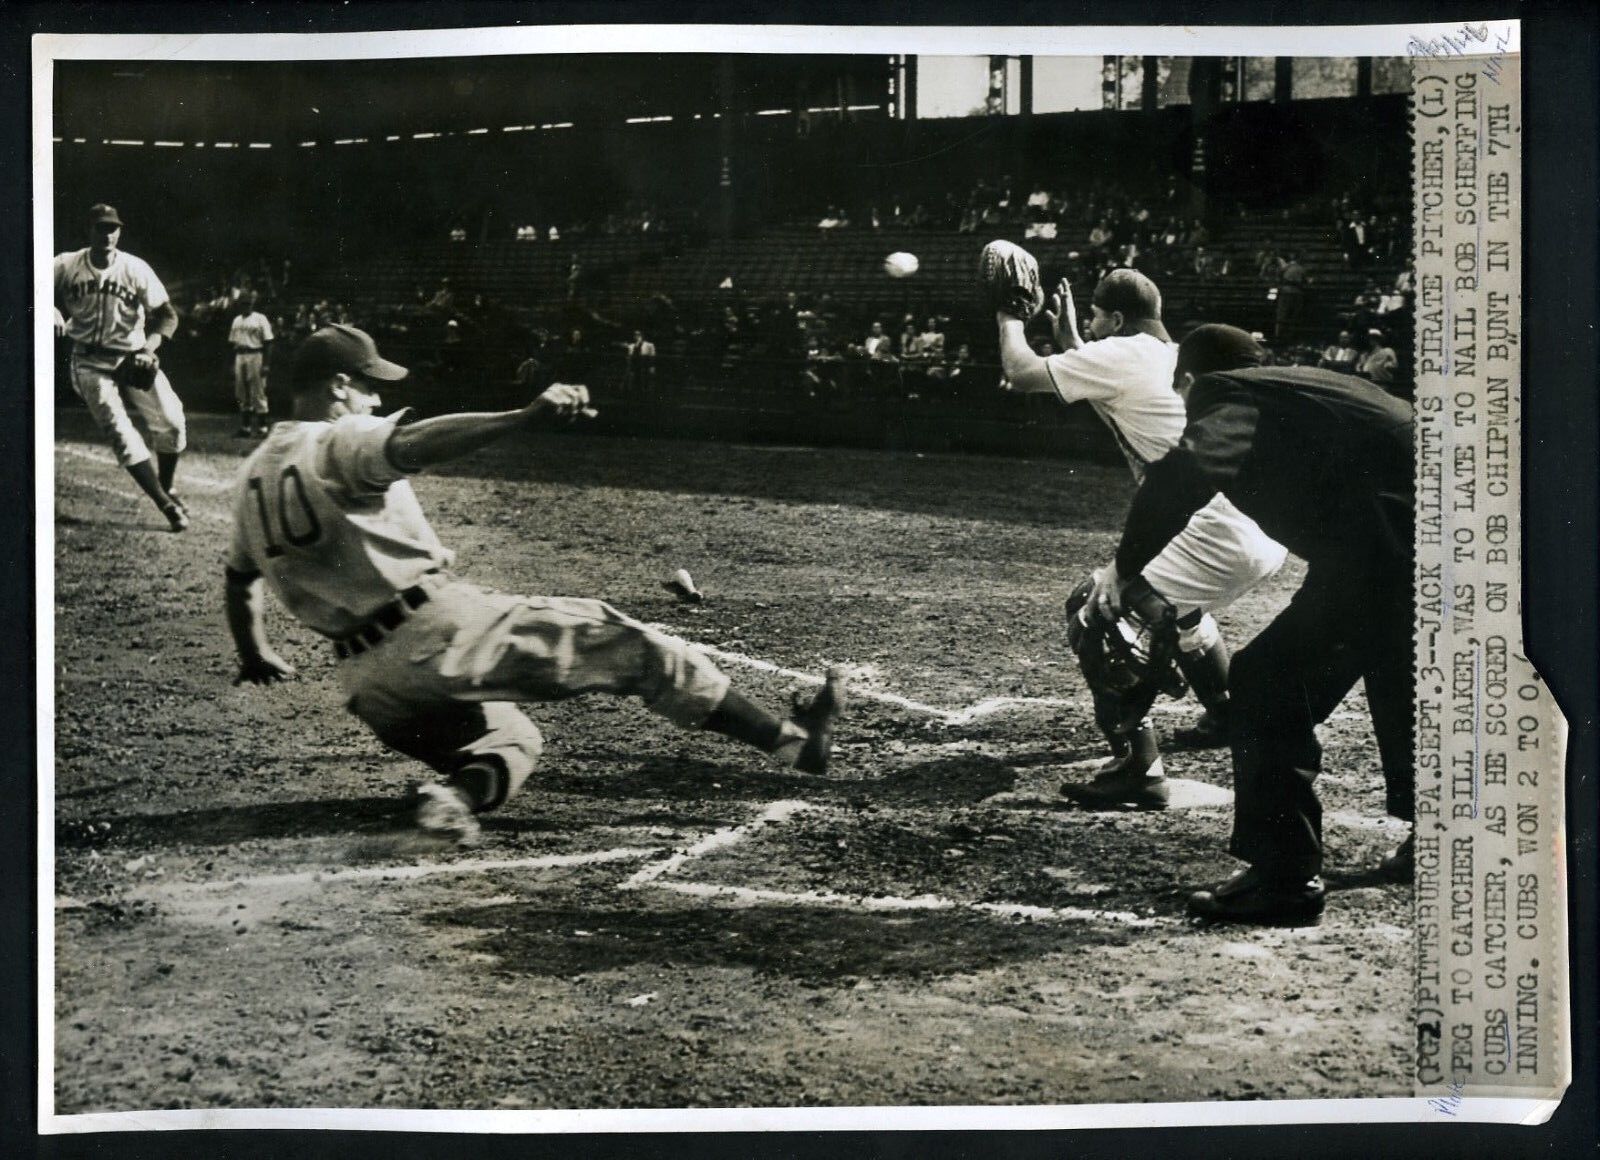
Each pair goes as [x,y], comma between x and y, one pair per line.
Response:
[117,314]
[1126,374]
[325,515]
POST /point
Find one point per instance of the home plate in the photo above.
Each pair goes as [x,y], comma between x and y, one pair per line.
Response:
[1041,785]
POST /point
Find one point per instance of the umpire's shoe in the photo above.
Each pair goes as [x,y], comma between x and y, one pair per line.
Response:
[1400,864]
[818,719]
[1253,896]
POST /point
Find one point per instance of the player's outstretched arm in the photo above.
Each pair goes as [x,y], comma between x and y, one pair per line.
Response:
[438,440]
[1023,369]
[258,663]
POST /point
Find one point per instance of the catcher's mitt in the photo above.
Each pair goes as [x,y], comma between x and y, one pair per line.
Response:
[1140,648]
[137,373]
[1009,277]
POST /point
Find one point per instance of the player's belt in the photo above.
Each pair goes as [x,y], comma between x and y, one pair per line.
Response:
[247,350]
[382,622]
[93,350]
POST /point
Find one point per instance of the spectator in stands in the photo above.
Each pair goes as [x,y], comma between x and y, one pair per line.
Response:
[819,376]
[1340,356]
[1269,263]
[1394,299]
[530,369]
[1379,363]
[932,342]
[444,299]
[909,343]
[574,278]
[641,362]
[572,362]
[1291,307]
[952,370]
[1353,240]
[877,345]
[554,234]
[458,233]
[1101,237]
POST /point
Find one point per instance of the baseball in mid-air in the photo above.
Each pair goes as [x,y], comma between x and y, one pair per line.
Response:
[900,265]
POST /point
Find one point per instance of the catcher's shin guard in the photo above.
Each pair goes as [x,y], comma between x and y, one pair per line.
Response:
[1206,670]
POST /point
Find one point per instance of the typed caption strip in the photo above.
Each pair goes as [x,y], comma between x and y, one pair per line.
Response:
[1491,998]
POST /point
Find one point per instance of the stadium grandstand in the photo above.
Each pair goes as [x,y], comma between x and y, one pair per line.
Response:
[704,235]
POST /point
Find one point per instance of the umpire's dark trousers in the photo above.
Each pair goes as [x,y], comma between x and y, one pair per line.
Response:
[1343,625]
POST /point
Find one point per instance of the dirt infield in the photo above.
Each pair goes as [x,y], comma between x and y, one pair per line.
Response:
[244,918]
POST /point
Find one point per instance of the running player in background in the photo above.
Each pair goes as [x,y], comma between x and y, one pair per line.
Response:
[114,308]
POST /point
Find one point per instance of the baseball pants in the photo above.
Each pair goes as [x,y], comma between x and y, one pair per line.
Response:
[1217,557]
[159,407]
[1340,627]
[249,383]
[441,688]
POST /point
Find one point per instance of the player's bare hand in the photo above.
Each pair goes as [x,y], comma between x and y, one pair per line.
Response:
[266,669]
[61,324]
[145,359]
[1063,315]
[564,401]
[1106,596]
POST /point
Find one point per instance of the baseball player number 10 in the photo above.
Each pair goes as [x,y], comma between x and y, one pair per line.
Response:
[313,528]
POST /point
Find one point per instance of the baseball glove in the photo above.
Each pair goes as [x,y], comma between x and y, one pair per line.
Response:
[1009,277]
[137,373]
[1139,649]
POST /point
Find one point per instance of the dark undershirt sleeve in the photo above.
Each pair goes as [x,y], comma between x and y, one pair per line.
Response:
[1220,437]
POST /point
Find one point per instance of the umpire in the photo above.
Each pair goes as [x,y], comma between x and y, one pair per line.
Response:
[1323,462]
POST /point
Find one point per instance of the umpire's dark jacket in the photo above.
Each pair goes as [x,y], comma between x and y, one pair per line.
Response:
[1322,461]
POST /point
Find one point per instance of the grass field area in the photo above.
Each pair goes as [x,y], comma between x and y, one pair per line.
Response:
[245,918]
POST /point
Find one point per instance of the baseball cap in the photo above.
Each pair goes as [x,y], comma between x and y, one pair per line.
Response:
[1219,347]
[103,214]
[341,349]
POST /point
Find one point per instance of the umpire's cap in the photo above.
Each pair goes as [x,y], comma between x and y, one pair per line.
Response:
[1219,347]
[341,349]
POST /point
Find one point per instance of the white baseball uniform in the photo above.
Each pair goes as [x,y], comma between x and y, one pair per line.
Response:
[105,311]
[432,663]
[249,336]
[1221,554]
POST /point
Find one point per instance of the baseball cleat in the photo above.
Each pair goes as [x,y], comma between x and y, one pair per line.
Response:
[1250,896]
[1206,733]
[177,516]
[818,719]
[445,812]
[1121,786]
